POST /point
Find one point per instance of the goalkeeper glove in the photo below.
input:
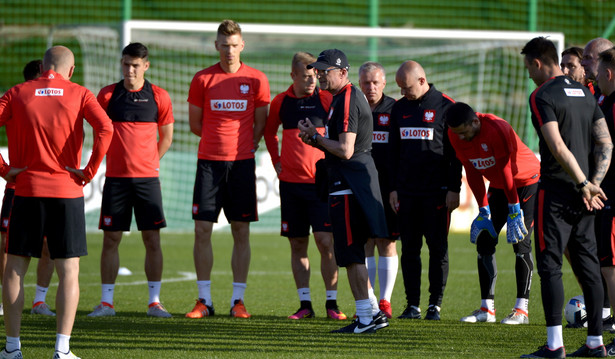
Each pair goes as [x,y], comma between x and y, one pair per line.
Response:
[482,222]
[515,226]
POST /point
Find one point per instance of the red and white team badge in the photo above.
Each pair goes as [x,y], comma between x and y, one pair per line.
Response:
[5,223]
[107,220]
[600,100]
[244,89]
[429,115]
[195,209]
[284,227]
[484,146]
[383,119]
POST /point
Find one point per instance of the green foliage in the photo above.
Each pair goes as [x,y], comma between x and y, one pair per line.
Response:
[271,297]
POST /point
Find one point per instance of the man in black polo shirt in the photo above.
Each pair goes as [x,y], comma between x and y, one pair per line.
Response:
[566,118]
[355,204]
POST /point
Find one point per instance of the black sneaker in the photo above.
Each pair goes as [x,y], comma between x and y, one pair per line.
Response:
[432,313]
[610,349]
[357,328]
[411,312]
[545,352]
[608,324]
[380,320]
[587,352]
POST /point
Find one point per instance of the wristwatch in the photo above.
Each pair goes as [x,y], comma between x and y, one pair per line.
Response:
[582,184]
[314,136]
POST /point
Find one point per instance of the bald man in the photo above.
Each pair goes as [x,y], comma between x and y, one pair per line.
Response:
[591,61]
[41,116]
[425,183]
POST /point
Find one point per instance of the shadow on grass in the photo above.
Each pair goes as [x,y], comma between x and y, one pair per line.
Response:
[129,333]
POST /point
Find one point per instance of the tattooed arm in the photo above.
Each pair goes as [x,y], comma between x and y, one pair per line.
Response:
[602,150]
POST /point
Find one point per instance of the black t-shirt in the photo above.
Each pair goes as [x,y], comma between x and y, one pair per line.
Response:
[349,112]
[574,108]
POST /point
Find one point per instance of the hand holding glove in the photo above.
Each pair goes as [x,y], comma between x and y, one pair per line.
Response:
[515,225]
[482,222]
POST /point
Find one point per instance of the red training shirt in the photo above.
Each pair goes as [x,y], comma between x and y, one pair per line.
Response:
[44,126]
[298,160]
[133,152]
[498,154]
[228,101]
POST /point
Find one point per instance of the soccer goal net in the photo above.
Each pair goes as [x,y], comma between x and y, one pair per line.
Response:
[482,68]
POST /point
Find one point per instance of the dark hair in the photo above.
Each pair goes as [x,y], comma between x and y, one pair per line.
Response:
[607,57]
[32,70]
[136,49]
[542,49]
[575,51]
[459,114]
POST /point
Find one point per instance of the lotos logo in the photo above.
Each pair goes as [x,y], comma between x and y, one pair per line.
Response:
[483,163]
[244,88]
[49,92]
[383,119]
[429,115]
[416,133]
[380,137]
[574,92]
[229,105]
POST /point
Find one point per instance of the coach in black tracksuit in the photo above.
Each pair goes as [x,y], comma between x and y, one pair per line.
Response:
[566,118]
[426,180]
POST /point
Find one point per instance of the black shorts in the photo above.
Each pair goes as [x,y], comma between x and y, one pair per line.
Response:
[61,220]
[225,184]
[121,195]
[605,234]
[7,204]
[350,229]
[301,208]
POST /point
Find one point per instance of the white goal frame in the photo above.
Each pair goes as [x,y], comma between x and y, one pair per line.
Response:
[340,31]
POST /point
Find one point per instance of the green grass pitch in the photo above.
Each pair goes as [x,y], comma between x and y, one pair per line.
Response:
[270,297]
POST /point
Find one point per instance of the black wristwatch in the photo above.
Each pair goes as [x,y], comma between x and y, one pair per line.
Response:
[582,184]
[314,136]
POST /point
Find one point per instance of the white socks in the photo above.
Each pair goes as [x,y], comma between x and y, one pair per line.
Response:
[304,294]
[554,337]
[370,263]
[488,303]
[154,292]
[40,294]
[364,310]
[62,343]
[522,303]
[204,287]
[12,344]
[387,274]
[238,291]
[107,293]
